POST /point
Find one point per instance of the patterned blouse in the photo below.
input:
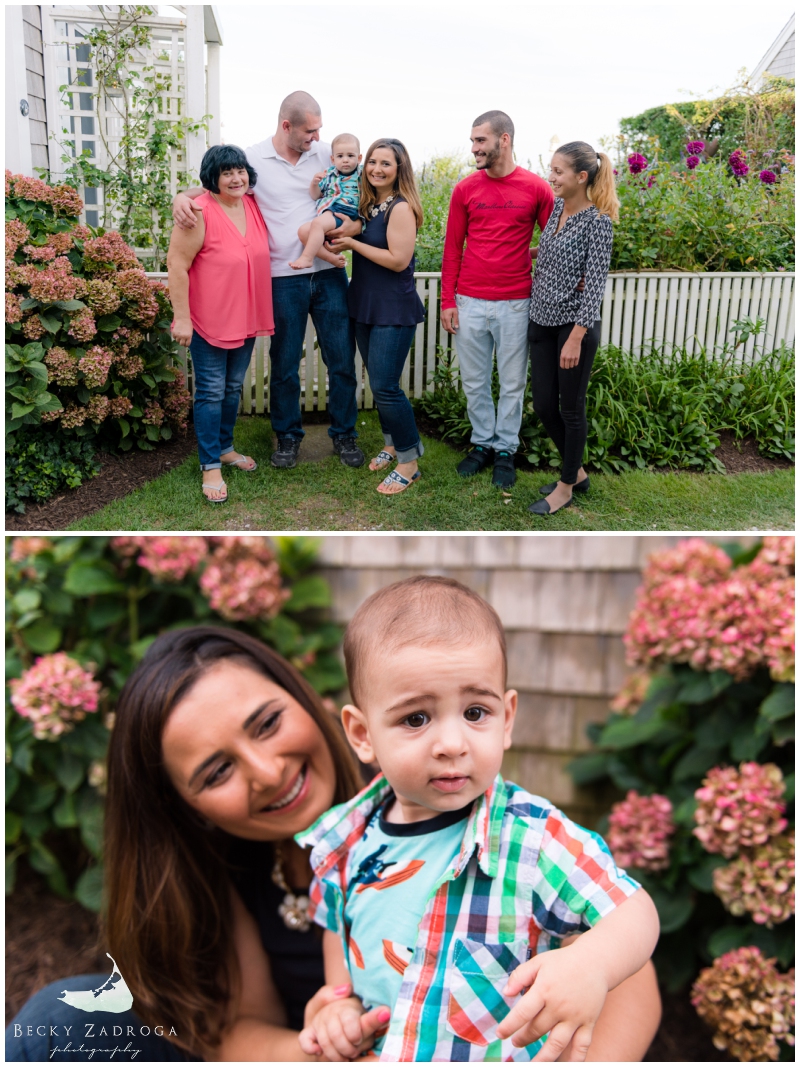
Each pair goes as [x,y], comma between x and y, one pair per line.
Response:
[582,249]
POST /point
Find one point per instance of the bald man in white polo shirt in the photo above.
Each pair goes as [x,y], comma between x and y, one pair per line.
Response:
[285,164]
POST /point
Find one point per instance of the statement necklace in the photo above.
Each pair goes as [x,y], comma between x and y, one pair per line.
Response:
[294,909]
[374,212]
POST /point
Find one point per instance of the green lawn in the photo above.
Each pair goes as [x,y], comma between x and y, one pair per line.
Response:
[329,496]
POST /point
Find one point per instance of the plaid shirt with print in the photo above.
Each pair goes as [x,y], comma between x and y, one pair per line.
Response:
[526,877]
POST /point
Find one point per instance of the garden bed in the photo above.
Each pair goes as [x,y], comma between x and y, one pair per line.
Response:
[48,938]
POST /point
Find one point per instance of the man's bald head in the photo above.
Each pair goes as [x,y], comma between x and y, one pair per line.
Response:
[297,106]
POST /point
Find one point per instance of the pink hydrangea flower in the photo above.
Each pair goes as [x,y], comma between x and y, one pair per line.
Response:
[95,366]
[82,326]
[40,253]
[56,282]
[760,882]
[632,694]
[120,406]
[177,404]
[739,809]
[62,367]
[17,233]
[639,831]
[748,1004]
[13,310]
[102,296]
[242,579]
[129,366]
[55,693]
[97,410]
[170,559]
[23,548]
[153,414]
[74,416]
[108,252]
[32,328]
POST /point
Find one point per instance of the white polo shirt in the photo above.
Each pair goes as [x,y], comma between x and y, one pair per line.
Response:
[282,195]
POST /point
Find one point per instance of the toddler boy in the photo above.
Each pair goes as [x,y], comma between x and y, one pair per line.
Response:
[337,190]
[442,887]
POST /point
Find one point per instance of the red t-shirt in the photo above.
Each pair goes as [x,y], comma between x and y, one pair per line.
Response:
[496,216]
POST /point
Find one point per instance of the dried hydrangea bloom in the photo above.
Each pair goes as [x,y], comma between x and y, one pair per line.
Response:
[95,366]
[698,560]
[62,367]
[760,882]
[17,233]
[639,832]
[170,559]
[55,693]
[242,579]
[739,809]
[23,548]
[632,694]
[102,296]
[13,310]
[748,1003]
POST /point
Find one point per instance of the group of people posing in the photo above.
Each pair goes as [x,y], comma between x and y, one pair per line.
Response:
[310,202]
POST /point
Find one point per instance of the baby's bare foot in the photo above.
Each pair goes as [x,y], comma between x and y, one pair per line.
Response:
[302,263]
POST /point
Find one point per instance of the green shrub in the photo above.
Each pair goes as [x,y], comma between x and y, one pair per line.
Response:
[40,464]
[88,345]
[663,409]
[103,601]
[676,721]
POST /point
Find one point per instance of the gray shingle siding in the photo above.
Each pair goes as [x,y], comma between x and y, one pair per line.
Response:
[34,75]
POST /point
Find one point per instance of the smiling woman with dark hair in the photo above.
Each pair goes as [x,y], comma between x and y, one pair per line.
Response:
[219,282]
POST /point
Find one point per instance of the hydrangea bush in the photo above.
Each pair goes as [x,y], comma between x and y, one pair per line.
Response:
[701,741]
[82,611]
[88,345]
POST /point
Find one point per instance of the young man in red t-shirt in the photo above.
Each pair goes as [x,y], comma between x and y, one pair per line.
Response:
[486,289]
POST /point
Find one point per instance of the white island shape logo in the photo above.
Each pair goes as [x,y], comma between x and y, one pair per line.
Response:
[113,995]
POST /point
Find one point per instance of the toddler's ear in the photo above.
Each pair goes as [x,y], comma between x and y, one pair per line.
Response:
[510,710]
[355,726]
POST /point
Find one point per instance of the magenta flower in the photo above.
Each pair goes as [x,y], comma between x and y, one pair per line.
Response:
[760,882]
[692,161]
[768,177]
[739,809]
[639,831]
[636,163]
[55,693]
[694,148]
[242,579]
[748,1004]
[738,163]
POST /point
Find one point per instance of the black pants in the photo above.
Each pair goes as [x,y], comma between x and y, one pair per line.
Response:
[559,396]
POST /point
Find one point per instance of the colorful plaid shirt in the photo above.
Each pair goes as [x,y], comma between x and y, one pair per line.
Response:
[525,878]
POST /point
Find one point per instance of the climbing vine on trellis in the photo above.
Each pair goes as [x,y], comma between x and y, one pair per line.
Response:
[144,164]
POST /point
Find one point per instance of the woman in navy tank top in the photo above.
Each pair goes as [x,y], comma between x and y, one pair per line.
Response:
[384,303]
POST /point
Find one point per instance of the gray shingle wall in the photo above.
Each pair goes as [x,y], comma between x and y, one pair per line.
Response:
[564,602]
[34,72]
[783,63]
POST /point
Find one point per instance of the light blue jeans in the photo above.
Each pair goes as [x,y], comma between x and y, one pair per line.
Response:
[501,326]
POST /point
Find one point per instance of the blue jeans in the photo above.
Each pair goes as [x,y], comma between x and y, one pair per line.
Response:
[218,377]
[384,350]
[323,295]
[40,1028]
[502,326]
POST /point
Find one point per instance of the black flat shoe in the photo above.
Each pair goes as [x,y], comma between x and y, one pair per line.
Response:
[578,487]
[541,507]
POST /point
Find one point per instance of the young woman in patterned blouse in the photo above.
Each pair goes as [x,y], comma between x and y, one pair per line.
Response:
[564,330]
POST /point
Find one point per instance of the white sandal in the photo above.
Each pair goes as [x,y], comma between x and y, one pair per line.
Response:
[240,461]
[216,488]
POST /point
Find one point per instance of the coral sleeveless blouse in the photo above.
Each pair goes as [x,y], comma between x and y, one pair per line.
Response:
[230,287]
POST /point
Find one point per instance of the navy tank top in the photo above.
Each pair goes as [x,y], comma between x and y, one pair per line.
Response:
[379,296]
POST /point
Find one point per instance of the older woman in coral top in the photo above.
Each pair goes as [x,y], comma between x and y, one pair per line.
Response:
[219,282]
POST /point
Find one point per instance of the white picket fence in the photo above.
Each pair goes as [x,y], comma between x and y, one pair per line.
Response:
[691,311]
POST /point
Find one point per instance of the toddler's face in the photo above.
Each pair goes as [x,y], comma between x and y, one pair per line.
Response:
[346,157]
[437,720]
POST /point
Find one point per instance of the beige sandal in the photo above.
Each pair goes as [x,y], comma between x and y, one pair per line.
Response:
[383,460]
[216,488]
[244,463]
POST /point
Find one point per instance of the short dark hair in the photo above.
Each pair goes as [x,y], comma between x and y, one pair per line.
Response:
[223,157]
[498,121]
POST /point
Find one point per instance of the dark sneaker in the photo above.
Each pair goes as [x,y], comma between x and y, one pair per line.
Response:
[504,475]
[477,460]
[348,451]
[285,455]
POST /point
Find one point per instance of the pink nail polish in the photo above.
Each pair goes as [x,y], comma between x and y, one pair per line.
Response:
[340,990]
[384,1016]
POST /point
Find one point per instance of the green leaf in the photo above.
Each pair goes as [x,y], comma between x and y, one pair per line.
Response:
[125,426]
[58,884]
[69,305]
[674,910]
[701,876]
[42,859]
[105,613]
[312,591]
[50,322]
[11,872]
[69,771]
[90,818]
[35,824]
[89,888]
[780,703]
[12,781]
[586,769]
[20,410]
[152,433]
[64,812]
[37,370]
[695,762]
[789,793]
[683,814]
[748,743]
[628,732]
[23,757]
[13,827]
[783,732]
[109,323]
[42,636]
[88,579]
[700,688]
[27,600]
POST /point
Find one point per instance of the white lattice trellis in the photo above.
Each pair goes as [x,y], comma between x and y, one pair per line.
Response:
[177,51]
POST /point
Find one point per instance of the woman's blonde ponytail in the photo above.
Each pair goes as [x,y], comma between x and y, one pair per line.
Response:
[600,189]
